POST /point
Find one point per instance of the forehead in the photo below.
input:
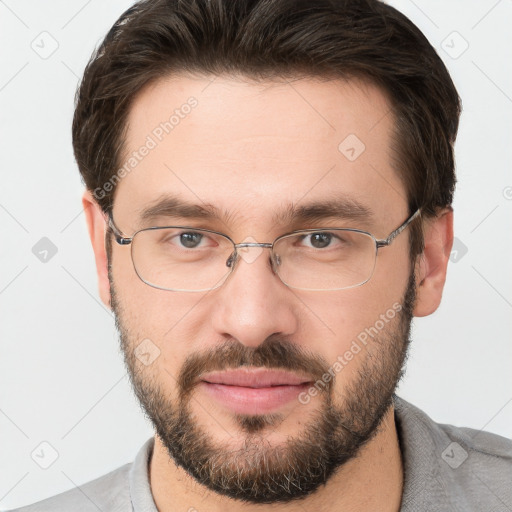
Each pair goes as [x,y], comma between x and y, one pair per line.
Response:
[254,148]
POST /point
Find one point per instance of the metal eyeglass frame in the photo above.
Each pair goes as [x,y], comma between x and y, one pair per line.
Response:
[121,239]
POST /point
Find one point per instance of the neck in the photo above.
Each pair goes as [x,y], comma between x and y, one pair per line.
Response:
[371,481]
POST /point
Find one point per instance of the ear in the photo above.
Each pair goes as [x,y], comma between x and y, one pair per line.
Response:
[97,227]
[432,263]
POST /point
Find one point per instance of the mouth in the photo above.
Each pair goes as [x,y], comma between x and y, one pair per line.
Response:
[255,378]
[254,391]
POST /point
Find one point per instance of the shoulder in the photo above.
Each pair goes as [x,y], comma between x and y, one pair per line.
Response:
[108,492]
[483,444]
[470,468]
[479,456]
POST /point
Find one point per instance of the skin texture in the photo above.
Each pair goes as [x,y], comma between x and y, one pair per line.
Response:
[250,149]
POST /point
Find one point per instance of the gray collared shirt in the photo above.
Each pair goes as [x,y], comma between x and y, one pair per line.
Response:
[446,468]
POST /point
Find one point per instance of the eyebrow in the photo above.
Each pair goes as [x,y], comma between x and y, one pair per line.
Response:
[342,208]
[170,206]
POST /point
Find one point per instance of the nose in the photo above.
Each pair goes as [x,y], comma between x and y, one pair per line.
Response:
[253,303]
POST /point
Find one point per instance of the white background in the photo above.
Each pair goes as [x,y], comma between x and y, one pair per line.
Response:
[61,375]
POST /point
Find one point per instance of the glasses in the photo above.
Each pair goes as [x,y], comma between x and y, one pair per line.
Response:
[187,259]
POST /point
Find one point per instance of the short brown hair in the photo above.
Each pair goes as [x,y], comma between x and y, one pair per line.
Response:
[264,39]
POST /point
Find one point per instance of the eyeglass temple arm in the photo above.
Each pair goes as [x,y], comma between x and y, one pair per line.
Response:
[120,238]
[398,230]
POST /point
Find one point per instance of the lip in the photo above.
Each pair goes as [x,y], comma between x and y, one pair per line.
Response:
[257,391]
[255,378]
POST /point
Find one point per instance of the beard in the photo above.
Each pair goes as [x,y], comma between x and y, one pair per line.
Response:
[258,471]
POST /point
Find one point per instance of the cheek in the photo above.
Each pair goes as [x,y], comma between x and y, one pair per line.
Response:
[145,307]
[340,316]
[341,324]
[165,318]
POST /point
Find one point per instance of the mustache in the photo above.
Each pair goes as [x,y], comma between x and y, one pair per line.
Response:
[274,353]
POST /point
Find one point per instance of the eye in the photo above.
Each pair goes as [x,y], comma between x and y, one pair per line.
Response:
[186,240]
[321,240]
[190,239]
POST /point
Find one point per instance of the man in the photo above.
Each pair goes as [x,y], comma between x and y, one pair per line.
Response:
[269,188]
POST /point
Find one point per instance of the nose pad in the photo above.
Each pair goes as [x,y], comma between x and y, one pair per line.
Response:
[231,261]
[276,262]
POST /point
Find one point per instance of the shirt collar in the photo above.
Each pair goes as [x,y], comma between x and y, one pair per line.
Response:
[140,488]
[419,439]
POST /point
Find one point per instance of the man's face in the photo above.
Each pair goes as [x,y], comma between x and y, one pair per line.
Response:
[251,151]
